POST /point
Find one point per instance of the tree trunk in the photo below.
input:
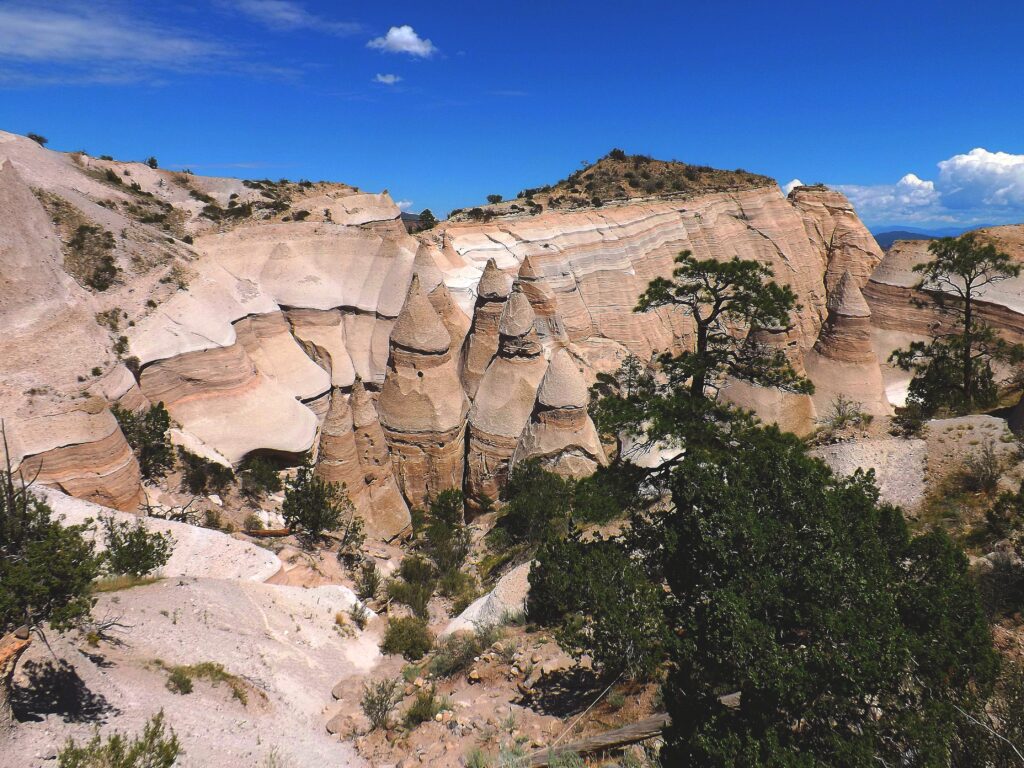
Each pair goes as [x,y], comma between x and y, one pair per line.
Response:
[700,372]
[968,363]
[12,646]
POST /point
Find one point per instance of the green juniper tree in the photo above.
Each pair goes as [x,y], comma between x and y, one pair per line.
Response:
[728,302]
[953,372]
[46,574]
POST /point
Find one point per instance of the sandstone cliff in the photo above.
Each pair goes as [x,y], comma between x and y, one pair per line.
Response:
[282,317]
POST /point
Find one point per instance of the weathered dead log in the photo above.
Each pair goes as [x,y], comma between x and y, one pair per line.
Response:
[648,728]
[11,648]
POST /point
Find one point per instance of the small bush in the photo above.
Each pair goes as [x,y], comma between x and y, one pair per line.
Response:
[981,471]
[455,653]
[252,522]
[415,584]
[201,476]
[359,615]
[179,681]
[368,581]
[378,702]
[42,141]
[908,421]
[147,435]
[494,199]
[157,747]
[132,550]
[408,636]
[844,414]
[259,478]
[151,162]
[313,506]
[425,707]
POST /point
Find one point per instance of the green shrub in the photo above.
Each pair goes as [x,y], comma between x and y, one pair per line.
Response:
[179,681]
[359,615]
[378,702]
[158,747]
[425,707]
[368,581]
[408,636]
[201,476]
[259,478]
[90,258]
[446,535]
[42,141]
[455,653]
[981,471]
[147,435]
[313,506]
[132,550]
[415,585]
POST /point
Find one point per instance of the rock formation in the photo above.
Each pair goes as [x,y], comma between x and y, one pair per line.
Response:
[560,432]
[422,405]
[390,512]
[504,400]
[843,361]
[352,451]
[255,326]
[482,340]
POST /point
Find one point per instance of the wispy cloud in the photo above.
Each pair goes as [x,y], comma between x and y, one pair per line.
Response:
[79,33]
[387,79]
[509,94]
[288,16]
[404,39]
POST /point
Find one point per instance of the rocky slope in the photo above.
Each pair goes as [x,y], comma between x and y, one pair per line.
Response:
[283,318]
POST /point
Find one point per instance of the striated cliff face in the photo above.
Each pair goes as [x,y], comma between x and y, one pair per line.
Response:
[303,317]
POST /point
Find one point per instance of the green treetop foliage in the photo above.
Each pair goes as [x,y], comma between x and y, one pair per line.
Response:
[778,594]
[446,535]
[312,506]
[427,219]
[132,550]
[729,302]
[147,434]
[46,569]
[953,372]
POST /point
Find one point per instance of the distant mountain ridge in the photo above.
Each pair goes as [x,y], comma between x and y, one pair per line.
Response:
[886,237]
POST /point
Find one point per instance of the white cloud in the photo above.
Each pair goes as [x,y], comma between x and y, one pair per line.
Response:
[991,178]
[404,39]
[979,186]
[791,185]
[387,79]
[288,15]
[404,205]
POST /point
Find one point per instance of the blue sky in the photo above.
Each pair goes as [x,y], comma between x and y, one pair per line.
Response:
[914,108]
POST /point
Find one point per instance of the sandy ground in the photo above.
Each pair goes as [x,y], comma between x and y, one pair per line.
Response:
[283,641]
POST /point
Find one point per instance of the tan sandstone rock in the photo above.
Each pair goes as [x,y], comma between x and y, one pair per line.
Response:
[560,432]
[422,405]
[504,400]
[843,361]
[481,343]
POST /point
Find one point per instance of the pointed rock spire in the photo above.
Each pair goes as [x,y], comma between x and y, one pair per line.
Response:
[846,298]
[494,283]
[517,317]
[563,385]
[426,268]
[418,326]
